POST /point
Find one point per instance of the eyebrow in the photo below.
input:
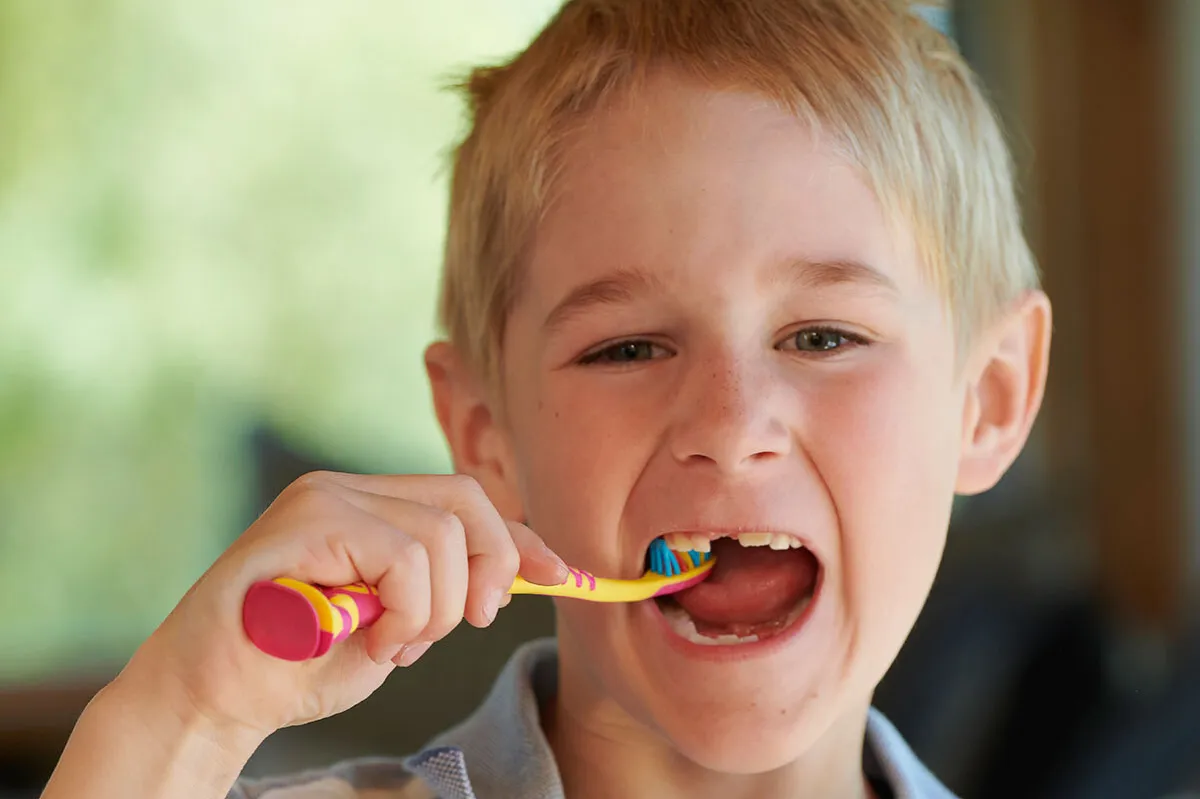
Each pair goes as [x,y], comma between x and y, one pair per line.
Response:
[812,275]
[622,285]
[613,289]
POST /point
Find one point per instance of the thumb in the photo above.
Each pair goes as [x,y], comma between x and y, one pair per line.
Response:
[538,564]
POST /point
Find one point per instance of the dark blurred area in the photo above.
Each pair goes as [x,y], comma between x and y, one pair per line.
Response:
[1059,654]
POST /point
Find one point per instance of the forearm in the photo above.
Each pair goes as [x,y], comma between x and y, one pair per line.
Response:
[126,746]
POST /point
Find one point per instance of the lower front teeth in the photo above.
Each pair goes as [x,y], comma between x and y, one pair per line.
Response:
[685,628]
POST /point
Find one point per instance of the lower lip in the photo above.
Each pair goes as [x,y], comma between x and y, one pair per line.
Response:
[727,652]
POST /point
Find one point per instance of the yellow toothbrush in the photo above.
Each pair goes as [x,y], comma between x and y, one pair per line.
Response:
[293,620]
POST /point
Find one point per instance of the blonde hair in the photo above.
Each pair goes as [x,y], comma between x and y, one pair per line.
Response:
[895,94]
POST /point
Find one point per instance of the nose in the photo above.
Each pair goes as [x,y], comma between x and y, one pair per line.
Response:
[732,414]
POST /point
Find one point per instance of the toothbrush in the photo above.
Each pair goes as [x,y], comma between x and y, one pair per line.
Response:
[294,620]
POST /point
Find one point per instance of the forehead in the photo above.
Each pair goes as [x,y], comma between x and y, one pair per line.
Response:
[678,177]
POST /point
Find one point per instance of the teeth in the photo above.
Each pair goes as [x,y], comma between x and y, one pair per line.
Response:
[683,542]
[700,542]
[683,626]
[678,542]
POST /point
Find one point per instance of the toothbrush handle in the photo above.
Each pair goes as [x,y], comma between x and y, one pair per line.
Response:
[296,621]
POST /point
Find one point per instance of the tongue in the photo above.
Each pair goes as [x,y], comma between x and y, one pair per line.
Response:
[750,585]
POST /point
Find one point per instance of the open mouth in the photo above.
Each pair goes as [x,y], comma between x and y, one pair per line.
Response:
[760,586]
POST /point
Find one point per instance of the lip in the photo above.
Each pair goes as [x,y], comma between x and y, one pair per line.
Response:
[734,652]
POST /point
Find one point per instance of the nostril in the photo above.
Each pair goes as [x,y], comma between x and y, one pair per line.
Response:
[732,441]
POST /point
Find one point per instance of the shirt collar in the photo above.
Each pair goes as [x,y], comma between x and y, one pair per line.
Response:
[500,750]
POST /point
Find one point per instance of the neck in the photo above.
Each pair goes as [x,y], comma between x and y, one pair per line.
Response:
[601,752]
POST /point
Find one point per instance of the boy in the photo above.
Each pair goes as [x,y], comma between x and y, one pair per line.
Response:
[747,274]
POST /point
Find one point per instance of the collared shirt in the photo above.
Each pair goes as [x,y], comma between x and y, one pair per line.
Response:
[500,752]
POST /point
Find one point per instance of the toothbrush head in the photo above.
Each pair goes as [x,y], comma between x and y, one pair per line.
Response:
[669,563]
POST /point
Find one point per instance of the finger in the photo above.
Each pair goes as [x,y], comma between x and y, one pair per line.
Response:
[445,542]
[332,542]
[493,559]
[539,564]
[492,555]
[424,488]
[405,593]
[444,538]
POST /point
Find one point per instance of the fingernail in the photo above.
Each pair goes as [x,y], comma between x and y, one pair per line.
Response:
[411,653]
[560,567]
[389,655]
[491,605]
[504,602]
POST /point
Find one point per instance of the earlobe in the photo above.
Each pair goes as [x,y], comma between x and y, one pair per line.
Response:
[479,444]
[1005,393]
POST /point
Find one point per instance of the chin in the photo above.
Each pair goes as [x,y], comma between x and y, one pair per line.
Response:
[743,717]
[747,742]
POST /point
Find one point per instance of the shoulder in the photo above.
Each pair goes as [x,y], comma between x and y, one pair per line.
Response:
[368,778]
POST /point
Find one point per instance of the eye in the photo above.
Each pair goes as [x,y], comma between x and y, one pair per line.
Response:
[821,340]
[623,352]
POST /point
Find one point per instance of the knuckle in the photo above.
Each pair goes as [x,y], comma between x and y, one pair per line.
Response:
[314,479]
[411,556]
[311,498]
[444,524]
[409,598]
[508,559]
[441,550]
[468,487]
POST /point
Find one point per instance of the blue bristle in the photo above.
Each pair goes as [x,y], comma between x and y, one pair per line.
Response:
[662,559]
[669,563]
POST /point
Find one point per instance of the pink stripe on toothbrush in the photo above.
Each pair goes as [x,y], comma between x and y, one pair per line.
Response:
[579,575]
[676,587]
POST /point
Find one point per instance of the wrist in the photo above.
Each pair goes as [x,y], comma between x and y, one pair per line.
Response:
[140,738]
[161,709]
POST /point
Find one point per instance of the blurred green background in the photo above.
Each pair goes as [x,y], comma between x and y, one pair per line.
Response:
[215,219]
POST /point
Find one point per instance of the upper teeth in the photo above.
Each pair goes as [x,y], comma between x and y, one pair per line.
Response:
[702,542]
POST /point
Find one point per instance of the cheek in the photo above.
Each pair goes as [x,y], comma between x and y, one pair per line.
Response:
[888,451]
[579,453]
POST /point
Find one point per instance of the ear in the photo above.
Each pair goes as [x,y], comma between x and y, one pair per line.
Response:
[479,443]
[1006,381]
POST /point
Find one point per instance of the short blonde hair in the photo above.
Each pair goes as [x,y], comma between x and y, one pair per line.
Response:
[900,101]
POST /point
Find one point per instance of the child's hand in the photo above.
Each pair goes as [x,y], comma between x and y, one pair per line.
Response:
[435,547]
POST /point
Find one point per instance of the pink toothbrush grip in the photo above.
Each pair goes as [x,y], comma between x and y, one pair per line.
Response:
[296,621]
